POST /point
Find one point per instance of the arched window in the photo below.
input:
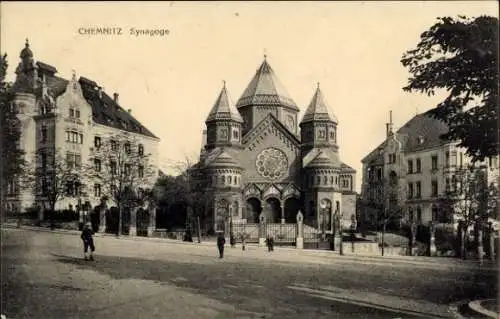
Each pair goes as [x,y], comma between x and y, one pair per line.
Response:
[236,209]
[419,214]
[325,180]
[229,180]
[410,214]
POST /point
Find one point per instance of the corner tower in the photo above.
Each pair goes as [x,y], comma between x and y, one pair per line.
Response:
[224,123]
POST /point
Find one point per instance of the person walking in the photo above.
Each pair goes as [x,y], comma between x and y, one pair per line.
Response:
[220,244]
[88,241]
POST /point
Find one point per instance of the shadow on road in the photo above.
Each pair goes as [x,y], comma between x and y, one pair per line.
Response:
[263,288]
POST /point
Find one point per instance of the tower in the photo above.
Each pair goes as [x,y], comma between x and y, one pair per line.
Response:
[265,94]
[321,164]
[224,123]
[223,173]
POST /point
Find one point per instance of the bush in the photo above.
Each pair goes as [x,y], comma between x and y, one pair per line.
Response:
[61,216]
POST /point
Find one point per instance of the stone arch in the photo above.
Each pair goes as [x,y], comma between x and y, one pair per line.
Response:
[292,207]
[254,208]
[325,214]
[221,214]
[272,210]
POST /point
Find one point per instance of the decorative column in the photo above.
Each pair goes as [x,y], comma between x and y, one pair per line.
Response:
[262,229]
[152,220]
[102,218]
[299,242]
[133,222]
[432,239]
[283,212]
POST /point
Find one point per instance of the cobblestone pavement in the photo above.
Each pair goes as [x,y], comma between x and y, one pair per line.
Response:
[44,276]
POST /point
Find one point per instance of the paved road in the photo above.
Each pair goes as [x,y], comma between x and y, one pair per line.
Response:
[44,276]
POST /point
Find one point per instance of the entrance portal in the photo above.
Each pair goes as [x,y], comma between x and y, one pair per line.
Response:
[254,209]
[273,210]
[292,207]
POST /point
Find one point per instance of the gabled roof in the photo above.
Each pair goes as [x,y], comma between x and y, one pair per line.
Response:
[223,109]
[318,109]
[321,157]
[266,89]
[421,132]
[270,118]
[346,168]
[107,112]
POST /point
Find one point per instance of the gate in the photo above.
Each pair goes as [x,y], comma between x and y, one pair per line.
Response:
[283,234]
[251,230]
[312,237]
[142,222]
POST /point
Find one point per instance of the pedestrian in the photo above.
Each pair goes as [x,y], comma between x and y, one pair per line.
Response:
[220,244]
[271,243]
[232,240]
[268,243]
[88,241]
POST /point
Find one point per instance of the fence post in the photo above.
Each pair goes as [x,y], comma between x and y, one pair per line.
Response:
[432,239]
[299,241]
[133,222]
[262,230]
[102,218]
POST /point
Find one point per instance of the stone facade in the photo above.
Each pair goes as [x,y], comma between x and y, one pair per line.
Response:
[68,116]
[423,167]
[258,159]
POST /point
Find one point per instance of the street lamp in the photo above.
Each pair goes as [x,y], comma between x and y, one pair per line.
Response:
[324,210]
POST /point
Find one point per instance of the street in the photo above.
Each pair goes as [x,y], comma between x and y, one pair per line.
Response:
[44,276]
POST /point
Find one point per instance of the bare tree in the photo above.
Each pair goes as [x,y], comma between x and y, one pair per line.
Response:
[56,177]
[123,172]
[470,200]
[394,195]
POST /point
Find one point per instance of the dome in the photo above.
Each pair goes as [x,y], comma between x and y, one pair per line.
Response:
[26,52]
[322,160]
[224,160]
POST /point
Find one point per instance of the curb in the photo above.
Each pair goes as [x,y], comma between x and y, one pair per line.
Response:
[304,252]
[477,307]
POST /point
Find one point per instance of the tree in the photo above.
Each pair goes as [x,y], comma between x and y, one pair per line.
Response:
[471,201]
[55,177]
[460,55]
[122,171]
[11,156]
[393,203]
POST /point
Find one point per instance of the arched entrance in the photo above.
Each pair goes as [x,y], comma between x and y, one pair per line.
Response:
[292,207]
[325,215]
[142,222]
[272,211]
[254,208]
[112,216]
[221,215]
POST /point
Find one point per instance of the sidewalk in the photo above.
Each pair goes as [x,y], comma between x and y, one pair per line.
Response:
[439,262]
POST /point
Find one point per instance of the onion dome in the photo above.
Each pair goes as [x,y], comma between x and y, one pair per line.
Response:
[26,52]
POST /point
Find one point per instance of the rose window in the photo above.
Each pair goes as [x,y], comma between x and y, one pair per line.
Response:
[272,163]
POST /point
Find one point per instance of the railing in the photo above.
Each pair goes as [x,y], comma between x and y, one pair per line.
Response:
[282,233]
[250,230]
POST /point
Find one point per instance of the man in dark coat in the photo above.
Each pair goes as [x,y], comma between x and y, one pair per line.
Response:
[220,244]
[88,241]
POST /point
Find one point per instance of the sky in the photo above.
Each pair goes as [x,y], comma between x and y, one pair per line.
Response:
[171,82]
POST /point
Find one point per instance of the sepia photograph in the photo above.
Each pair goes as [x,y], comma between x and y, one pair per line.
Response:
[249,159]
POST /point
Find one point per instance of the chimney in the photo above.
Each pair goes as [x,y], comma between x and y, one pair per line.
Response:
[99,92]
[115,97]
[389,125]
[387,129]
[129,110]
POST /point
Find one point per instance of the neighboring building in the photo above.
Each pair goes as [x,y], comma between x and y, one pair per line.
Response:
[71,116]
[258,158]
[422,167]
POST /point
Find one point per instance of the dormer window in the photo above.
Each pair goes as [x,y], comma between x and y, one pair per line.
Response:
[420,140]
